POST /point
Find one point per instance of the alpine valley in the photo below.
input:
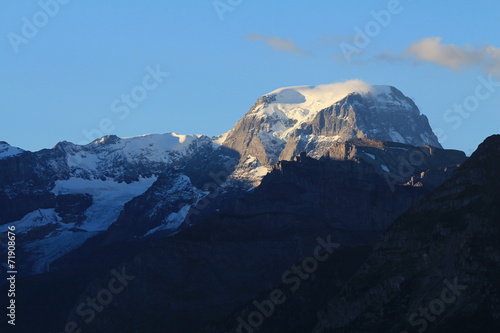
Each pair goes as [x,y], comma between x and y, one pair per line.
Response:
[330,208]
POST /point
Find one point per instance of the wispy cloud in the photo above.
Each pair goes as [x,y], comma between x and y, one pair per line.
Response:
[449,55]
[279,44]
[454,57]
[389,57]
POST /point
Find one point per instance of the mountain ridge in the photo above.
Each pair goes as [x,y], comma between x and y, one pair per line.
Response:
[74,192]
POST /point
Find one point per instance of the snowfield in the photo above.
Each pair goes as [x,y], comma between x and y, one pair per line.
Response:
[108,198]
[7,150]
[301,103]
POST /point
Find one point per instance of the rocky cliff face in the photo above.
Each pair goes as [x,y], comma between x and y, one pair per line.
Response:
[397,162]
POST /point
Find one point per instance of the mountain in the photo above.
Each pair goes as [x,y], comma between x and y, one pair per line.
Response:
[59,198]
[291,120]
[205,271]
[207,224]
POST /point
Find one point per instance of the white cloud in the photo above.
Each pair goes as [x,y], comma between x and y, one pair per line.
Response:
[492,63]
[452,56]
[448,55]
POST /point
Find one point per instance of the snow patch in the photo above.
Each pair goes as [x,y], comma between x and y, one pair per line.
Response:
[250,169]
[370,155]
[396,136]
[219,140]
[256,169]
[7,150]
[32,220]
[160,142]
[108,198]
[172,221]
[316,98]
[42,252]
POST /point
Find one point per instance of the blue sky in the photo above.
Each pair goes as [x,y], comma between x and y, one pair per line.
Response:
[65,79]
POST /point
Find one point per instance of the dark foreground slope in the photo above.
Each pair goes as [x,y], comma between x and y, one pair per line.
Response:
[437,268]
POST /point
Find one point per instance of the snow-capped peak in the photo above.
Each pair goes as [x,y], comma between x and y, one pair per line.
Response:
[112,155]
[7,150]
[300,104]
[315,98]
[309,118]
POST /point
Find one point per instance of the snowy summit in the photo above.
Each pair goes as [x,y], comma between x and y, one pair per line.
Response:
[302,103]
[293,119]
